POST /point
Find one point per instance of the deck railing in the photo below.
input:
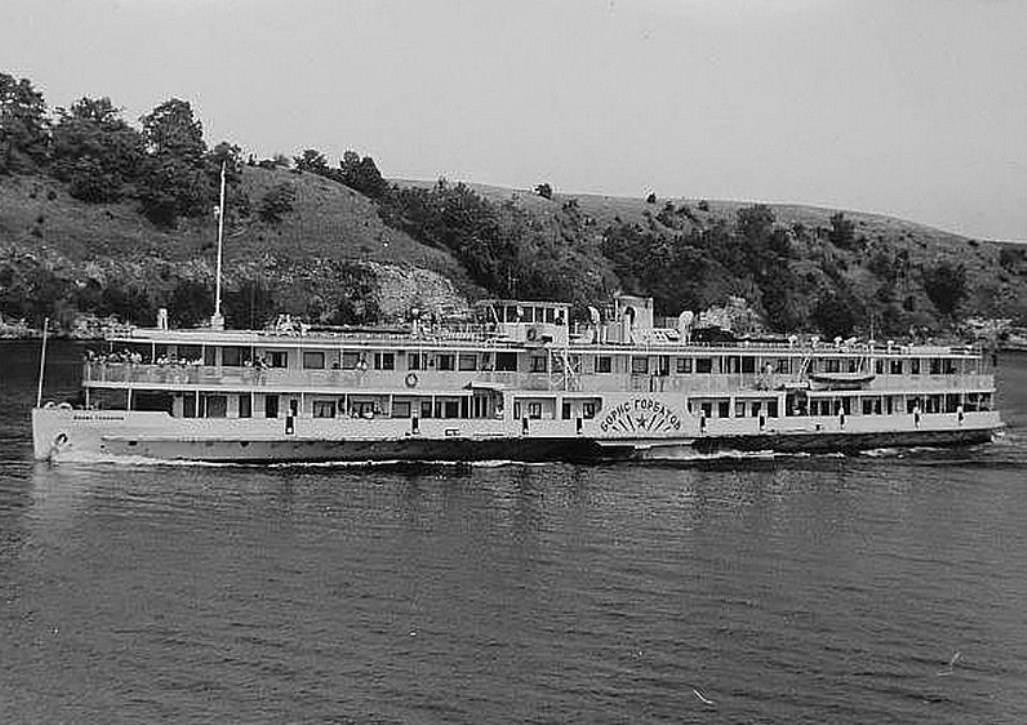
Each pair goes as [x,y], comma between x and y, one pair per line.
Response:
[204,376]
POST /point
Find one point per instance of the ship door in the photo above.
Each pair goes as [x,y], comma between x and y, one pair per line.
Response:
[663,365]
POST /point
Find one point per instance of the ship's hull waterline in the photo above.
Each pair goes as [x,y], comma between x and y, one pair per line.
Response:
[65,436]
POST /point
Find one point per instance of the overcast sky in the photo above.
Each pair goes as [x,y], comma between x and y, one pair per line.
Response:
[914,108]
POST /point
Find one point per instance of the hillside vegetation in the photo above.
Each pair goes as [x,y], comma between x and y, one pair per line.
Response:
[99,217]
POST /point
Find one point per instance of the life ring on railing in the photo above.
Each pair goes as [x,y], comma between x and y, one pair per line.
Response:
[50,404]
[65,406]
[411,380]
[532,334]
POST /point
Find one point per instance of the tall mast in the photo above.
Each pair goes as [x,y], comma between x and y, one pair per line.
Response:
[42,363]
[218,321]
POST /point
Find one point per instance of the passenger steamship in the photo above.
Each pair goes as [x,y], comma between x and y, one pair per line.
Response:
[519,381]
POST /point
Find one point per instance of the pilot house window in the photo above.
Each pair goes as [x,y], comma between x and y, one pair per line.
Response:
[314,360]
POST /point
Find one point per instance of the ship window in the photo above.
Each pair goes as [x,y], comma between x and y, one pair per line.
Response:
[723,409]
[468,362]
[446,362]
[748,364]
[895,367]
[271,406]
[740,409]
[245,406]
[401,409]
[771,408]
[588,410]
[550,315]
[349,360]
[565,411]
[604,364]
[324,409]
[216,406]
[639,365]
[506,362]
[234,357]
[277,359]
[384,361]
[414,361]
[684,365]
[704,365]
[868,406]
[879,367]
[314,360]
[210,356]
[535,410]
[426,409]
[189,406]
[935,366]
[538,364]
[832,365]
[914,366]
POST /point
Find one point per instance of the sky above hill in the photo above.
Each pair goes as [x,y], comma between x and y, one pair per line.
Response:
[913,108]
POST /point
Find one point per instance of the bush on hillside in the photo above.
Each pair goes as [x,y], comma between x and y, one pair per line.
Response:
[276,202]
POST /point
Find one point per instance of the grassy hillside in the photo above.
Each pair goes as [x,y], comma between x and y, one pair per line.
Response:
[328,221]
[298,257]
[48,239]
[996,272]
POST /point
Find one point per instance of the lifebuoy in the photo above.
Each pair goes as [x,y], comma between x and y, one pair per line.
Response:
[65,406]
[532,334]
[411,380]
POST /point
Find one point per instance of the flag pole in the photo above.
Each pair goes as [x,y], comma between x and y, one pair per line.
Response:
[217,321]
[42,364]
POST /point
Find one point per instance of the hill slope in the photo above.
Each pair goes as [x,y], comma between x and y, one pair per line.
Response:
[996,272]
[332,248]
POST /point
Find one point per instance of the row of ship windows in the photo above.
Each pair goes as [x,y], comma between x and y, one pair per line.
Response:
[216,406]
[639,364]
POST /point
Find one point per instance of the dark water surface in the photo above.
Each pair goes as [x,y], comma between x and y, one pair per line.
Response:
[794,590]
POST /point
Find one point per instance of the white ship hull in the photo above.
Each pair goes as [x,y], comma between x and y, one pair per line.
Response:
[87,435]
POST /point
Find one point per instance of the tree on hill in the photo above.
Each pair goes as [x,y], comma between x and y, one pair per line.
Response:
[945,285]
[835,315]
[178,182]
[171,128]
[96,152]
[544,190]
[24,128]
[276,202]
[362,174]
[249,306]
[190,302]
[843,231]
[313,161]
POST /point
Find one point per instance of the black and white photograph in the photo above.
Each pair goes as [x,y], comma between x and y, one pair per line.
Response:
[513,361]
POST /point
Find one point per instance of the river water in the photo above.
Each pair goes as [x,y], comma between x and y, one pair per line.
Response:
[787,590]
